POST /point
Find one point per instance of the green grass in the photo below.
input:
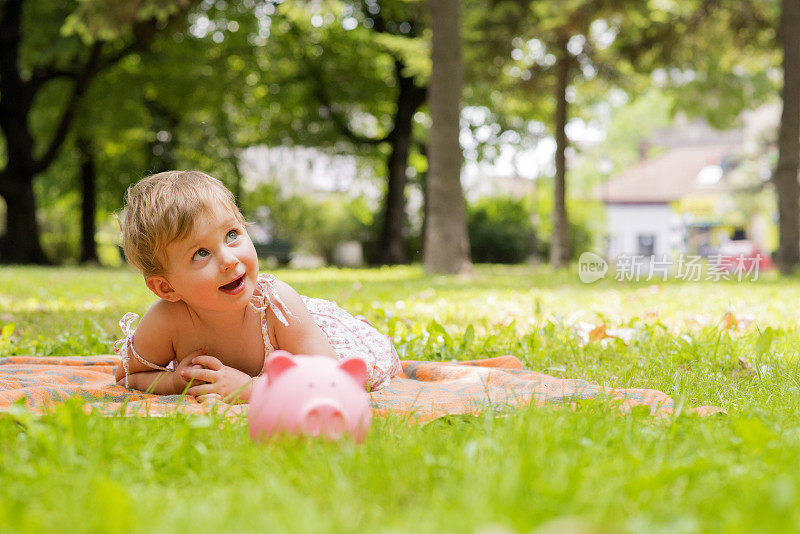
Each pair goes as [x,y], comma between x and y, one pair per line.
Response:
[588,470]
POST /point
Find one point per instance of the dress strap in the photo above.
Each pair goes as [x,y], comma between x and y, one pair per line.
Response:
[124,346]
[265,296]
[268,296]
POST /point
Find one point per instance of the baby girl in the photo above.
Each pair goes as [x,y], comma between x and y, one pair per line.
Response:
[217,318]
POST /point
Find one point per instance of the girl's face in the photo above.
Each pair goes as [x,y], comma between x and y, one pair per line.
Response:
[215,268]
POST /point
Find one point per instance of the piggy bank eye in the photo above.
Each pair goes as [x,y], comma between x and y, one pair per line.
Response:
[311,384]
[333,384]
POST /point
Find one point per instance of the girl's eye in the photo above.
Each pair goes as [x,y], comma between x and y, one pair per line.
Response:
[200,254]
[232,235]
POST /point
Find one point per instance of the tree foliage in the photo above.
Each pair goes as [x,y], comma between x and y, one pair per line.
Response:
[49,57]
[141,87]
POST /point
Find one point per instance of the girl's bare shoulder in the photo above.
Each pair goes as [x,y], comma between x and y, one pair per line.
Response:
[157,332]
[165,316]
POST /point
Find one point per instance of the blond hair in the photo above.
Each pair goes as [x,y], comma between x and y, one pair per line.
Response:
[164,207]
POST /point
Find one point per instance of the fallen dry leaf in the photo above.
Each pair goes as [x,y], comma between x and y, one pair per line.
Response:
[597,333]
[736,322]
[650,315]
[745,364]
[588,332]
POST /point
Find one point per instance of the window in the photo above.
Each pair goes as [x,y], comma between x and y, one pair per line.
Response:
[646,244]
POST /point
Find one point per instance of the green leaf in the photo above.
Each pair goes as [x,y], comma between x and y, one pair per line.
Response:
[435,330]
[765,340]
[469,337]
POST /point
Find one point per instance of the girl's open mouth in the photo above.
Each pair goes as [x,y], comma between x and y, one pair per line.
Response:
[234,287]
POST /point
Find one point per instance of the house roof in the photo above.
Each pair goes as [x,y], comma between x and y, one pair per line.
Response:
[668,177]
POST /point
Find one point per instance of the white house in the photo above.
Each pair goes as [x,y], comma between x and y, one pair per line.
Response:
[668,204]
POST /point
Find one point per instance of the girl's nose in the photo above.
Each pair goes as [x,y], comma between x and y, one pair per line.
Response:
[228,262]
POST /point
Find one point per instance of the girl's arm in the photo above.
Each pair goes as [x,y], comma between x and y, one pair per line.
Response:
[153,342]
[301,335]
[156,382]
[164,382]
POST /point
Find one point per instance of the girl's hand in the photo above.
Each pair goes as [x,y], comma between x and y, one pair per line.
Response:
[179,380]
[231,384]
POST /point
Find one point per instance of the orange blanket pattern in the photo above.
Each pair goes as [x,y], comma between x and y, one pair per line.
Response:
[425,390]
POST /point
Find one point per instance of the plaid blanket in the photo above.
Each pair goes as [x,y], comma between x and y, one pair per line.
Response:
[425,390]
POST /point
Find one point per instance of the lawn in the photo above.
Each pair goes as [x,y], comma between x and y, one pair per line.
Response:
[729,344]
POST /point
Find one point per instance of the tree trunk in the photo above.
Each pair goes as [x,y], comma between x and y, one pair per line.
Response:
[392,244]
[88,174]
[233,156]
[162,148]
[559,245]
[422,148]
[21,242]
[237,178]
[446,243]
[785,178]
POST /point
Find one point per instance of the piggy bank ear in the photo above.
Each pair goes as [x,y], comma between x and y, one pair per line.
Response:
[278,362]
[356,368]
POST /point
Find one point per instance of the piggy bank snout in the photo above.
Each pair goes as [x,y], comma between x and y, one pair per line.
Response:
[323,417]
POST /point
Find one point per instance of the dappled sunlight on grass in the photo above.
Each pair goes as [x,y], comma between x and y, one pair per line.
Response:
[732,345]
[497,302]
[680,337]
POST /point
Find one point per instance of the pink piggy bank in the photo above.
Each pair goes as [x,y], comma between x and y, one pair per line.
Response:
[310,396]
